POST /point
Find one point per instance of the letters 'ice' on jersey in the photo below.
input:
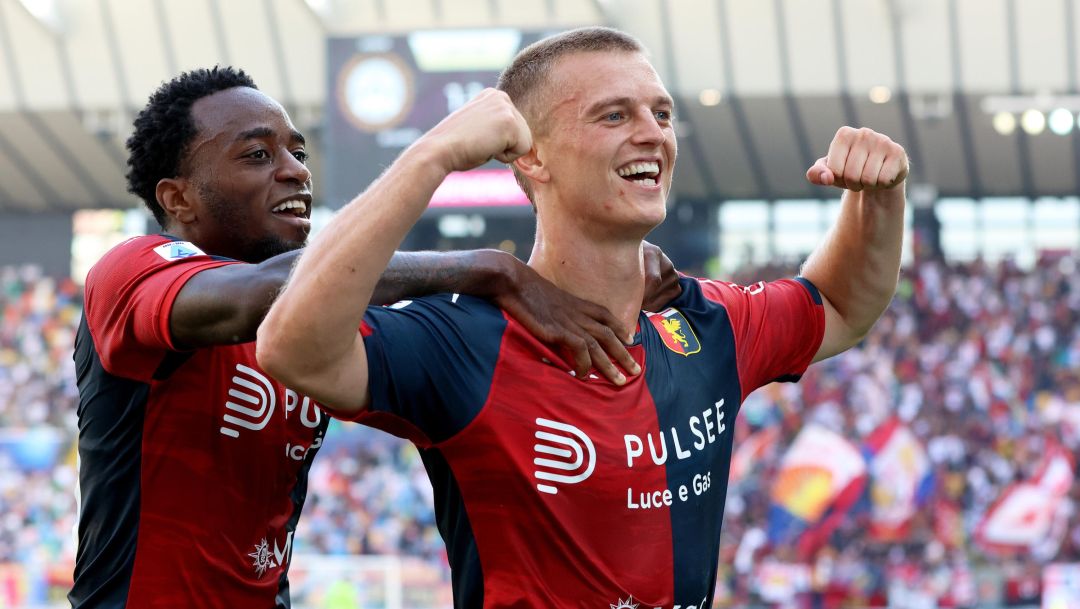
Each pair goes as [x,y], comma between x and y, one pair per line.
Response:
[553,491]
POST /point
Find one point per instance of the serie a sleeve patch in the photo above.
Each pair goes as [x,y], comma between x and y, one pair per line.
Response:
[175,250]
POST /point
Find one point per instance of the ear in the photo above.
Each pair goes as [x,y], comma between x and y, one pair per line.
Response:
[532,165]
[174,197]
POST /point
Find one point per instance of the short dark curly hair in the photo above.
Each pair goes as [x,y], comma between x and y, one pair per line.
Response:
[164,129]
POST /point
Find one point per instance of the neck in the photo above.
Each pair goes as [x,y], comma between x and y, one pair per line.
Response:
[609,273]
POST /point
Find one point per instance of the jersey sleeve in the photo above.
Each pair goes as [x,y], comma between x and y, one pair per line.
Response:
[129,298]
[778,327]
[430,365]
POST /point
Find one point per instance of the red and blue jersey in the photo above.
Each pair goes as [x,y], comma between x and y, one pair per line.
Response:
[553,491]
[193,464]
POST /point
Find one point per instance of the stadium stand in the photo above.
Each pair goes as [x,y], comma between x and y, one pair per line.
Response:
[980,361]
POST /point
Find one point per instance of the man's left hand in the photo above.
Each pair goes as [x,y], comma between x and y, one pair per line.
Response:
[860,159]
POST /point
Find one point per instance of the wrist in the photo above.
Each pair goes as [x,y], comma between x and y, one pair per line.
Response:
[495,272]
[489,273]
[428,157]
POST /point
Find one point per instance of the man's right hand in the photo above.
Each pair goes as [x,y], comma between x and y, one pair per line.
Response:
[588,333]
[487,127]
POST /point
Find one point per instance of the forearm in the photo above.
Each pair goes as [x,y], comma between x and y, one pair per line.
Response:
[310,335]
[483,273]
[226,305]
[857,266]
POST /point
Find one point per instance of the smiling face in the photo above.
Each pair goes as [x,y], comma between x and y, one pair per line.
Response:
[244,179]
[608,143]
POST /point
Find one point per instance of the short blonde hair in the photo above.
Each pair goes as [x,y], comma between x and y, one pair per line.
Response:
[525,78]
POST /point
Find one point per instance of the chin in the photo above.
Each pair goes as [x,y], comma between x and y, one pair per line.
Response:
[269,247]
[654,217]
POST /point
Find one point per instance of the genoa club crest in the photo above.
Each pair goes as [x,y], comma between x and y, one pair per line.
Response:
[675,331]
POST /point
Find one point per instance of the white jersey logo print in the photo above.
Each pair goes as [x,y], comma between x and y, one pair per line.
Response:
[255,401]
[571,450]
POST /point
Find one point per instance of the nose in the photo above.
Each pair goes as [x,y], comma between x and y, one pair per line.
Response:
[647,129]
[293,170]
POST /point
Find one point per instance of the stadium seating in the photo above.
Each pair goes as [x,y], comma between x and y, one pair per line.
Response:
[981,362]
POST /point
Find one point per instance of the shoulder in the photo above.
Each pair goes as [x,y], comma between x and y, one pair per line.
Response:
[148,264]
[727,293]
[467,313]
[127,249]
[148,251]
[448,303]
[697,295]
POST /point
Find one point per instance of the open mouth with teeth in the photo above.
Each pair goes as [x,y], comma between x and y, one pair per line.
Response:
[292,207]
[644,173]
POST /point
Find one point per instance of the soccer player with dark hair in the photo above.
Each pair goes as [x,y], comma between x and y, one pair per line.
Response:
[193,461]
[551,492]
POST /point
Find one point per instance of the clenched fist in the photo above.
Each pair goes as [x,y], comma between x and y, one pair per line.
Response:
[860,159]
[487,127]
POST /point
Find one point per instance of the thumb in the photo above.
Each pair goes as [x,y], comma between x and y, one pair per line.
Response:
[820,174]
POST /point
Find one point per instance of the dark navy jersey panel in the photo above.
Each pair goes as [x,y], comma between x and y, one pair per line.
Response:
[438,370]
[810,287]
[697,398]
[110,443]
[454,526]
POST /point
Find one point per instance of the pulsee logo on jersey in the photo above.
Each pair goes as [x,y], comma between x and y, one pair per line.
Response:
[568,457]
[253,400]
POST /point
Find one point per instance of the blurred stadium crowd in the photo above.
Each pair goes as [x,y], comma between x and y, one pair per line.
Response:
[981,362]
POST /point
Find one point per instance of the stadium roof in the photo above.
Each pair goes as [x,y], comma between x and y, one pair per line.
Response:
[761,84]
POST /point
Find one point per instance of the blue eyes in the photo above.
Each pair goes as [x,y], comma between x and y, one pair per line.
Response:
[662,116]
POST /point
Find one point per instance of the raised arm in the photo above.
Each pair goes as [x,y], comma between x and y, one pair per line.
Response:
[857,266]
[309,339]
[225,305]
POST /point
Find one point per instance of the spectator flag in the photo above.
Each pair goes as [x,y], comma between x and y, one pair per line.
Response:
[759,447]
[820,478]
[901,479]
[1026,515]
[948,523]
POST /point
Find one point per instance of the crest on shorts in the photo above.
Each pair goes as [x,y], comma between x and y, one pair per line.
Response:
[675,331]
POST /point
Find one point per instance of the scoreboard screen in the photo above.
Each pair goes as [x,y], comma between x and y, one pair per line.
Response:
[387,90]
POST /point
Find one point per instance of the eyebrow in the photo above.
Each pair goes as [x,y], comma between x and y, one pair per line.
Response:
[262,132]
[626,101]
